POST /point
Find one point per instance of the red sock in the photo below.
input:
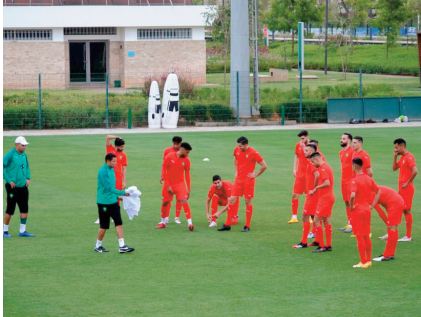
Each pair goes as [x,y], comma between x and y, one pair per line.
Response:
[294,206]
[319,236]
[368,248]
[186,208]
[306,230]
[348,214]
[328,229]
[229,215]
[408,219]
[392,241]
[235,208]
[178,206]
[214,207]
[249,214]
[165,210]
[381,213]
[361,248]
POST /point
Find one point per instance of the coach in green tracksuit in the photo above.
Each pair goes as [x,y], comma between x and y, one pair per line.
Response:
[108,205]
[17,175]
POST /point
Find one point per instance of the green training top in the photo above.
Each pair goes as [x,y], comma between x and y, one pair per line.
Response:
[16,168]
[106,193]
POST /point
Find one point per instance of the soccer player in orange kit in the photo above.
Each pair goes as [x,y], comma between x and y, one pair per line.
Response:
[357,146]
[394,205]
[299,172]
[218,195]
[176,182]
[345,155]
[362,189]
[176,141]
[325,202]
[245,159]
[407,173]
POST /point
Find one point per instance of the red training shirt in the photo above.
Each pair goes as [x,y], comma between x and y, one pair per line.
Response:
[364,188]
[223,193]
[346,155]
[389,198]
[176,169]
[326,173]
[246,162]
[121,161]
[406,164]
[301,158]
[363,155]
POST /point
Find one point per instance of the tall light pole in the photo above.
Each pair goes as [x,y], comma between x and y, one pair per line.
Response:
[255,31]
[326,29]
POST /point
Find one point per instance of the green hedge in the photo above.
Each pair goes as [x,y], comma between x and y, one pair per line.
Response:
[313,111]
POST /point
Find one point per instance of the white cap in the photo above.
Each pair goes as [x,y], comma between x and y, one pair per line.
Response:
[21,140]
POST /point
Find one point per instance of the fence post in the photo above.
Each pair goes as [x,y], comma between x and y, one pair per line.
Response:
[129,119]
[238,98]
[39,102]
[107,115]
[361,84]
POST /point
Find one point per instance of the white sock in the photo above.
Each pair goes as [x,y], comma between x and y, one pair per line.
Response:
[189,222]
[121,242]
[5,228]
[162,220]
[166,220]
[22,228]
[98,243]
[294,217]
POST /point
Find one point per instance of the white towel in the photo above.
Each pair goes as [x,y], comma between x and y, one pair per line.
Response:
[132,204]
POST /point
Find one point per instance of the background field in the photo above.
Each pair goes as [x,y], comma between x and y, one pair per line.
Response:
[205,273]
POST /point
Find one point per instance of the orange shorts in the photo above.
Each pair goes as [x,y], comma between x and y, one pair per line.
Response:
[407,195]
[244,188]
[345,191]
[361,221]
[299,185]
[325,205]
[179,190]
[221,201]
[394,215]
[310,205]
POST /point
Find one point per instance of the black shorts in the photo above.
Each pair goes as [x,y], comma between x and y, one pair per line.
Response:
[105,212]
[17,195]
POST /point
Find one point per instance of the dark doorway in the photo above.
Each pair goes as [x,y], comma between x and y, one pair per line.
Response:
[98,59]
[77,62]
[88,61]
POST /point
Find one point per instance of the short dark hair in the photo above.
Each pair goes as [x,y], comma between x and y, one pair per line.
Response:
[357,161]
[314,141]
[400,141]
[349,135]
[359,138]
[119,142]
[243,140]
[109,157]
[186,146]
[315,154]
[216,177]
[177,139]
[302,133]
[313,146]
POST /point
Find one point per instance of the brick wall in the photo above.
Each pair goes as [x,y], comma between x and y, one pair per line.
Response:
[23,61]
[156,58]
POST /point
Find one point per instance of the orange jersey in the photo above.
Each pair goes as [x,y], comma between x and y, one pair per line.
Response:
[363,155]
[121,161]
[302,161]
[406,164]
[246,162]
[167,151]
[364,187]
[176,170]
[346,155]
[310,176]
[389,198]
[325,173]
[223,193]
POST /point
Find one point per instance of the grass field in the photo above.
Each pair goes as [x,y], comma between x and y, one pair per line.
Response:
[205,273]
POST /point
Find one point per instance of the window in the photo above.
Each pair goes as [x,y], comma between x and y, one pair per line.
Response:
[27,35]
[90,31]
[164,34]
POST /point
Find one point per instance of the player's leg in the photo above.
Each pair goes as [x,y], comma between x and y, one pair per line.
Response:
[22,201]
[104,224]
[328,230]
[178,207]
[361,250]
[10,210]
[408,196]
[345,197]
[248,198]
[167,198]
[319,231]
[306,230]
[116,216]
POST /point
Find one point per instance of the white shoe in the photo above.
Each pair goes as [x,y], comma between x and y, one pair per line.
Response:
[405,239]
[384,237]
[378,259]
[212,224]
[177,220]
[310,235]
[96,222]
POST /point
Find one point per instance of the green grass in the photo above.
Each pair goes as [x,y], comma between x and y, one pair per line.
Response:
[204,273]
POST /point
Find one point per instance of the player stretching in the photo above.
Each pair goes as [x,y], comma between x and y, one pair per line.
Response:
[345,155]
[218,195]
[394,205]
[176,141]
[362,189]
[176,182]
[310,203]
[407,172]
[325,202]
[245,159]
[299,172]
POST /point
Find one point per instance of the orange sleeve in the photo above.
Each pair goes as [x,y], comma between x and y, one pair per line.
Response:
[353,186]
[124,161]
[374,186]
[411,162]
[258,157]
[211,191]
[165,174]
[367,161]
[187,170]
[109,149]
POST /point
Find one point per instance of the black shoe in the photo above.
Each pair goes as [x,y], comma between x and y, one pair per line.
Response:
[225,228]
[329,248]
[245,229]
[314,244]
[300,245]
[101,249]
[319,250]
[125,249]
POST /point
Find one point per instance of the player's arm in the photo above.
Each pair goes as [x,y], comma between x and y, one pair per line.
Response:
[316,178]
[108,185]
[188,180]
[370,172]
[6,162]
[235,167]
[414,173]
[395,164]
[263,167]
[109,138]
[352,199]
[124,176]
[27,172]
[325,183]
[376,198]
[294,166]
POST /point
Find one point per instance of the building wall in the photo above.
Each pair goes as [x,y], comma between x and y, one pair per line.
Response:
[154,59]
[24,60]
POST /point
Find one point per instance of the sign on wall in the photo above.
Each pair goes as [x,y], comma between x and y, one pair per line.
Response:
[131,54]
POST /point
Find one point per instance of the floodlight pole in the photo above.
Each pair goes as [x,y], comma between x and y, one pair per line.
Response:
[301,64]
[326,29]
[256,56]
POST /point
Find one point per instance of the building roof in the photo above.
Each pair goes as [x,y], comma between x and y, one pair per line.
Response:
[103,16]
